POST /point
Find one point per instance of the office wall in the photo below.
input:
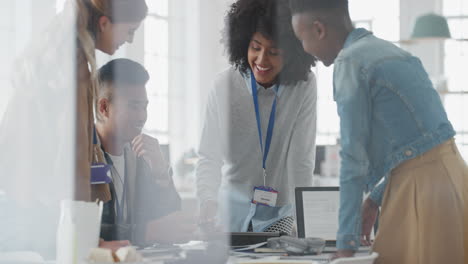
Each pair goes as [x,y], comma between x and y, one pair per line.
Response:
[430,53]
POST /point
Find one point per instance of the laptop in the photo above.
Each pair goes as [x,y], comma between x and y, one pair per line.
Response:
[317,213]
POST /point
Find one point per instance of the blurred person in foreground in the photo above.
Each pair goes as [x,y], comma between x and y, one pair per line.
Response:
[46,132]
[393,128]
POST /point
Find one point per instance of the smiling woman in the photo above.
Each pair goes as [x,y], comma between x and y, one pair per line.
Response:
[270,82]
[254,27]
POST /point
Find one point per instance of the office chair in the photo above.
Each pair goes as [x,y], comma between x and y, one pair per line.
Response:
[357,260]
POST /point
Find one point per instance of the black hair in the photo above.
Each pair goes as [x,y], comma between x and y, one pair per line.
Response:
[123,71]
[271,18]
[298,6]
[116,73]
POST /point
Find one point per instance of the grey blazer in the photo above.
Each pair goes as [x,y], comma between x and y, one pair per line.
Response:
[145,201]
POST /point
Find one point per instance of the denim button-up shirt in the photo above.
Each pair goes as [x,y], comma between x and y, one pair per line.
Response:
[389,112]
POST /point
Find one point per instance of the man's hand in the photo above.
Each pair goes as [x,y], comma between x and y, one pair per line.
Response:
[148,148]
[369,215]
[178,227]
[343,253]
[113,245]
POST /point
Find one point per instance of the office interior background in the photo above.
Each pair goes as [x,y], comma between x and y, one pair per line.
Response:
[179,44]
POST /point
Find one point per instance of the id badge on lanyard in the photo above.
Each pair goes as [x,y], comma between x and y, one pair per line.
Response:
[100,173]
[264,195]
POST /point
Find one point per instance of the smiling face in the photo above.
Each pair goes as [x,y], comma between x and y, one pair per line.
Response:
[265,59]
[128,111]
[114,35]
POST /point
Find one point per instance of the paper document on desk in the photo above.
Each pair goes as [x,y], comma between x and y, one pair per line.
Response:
[321,214]
[250,247]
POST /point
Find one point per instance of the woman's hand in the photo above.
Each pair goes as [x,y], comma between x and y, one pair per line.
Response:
[369,215]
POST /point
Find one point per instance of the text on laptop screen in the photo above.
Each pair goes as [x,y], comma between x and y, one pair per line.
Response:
[320,213]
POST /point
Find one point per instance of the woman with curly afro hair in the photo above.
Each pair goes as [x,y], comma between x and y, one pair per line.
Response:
[258,139]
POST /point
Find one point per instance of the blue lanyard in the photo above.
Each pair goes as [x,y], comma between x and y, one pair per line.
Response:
[271,123]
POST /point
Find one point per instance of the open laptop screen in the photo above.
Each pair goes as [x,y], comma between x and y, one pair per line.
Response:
[317,212]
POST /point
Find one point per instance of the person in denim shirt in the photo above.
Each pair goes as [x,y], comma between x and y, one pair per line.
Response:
[394,130]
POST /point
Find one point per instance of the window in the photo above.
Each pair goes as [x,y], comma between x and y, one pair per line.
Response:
[156,59]
[59,5]
[455,64]
[381,17]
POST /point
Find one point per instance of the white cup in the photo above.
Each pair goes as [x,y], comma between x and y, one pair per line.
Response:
[78,230]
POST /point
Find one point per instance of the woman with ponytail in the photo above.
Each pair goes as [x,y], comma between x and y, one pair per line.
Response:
[104,25]
[46,134]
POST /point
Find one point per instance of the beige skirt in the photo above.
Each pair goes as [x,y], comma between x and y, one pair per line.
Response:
[424,210]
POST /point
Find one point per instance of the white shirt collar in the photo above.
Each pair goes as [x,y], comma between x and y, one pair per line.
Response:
[248,84]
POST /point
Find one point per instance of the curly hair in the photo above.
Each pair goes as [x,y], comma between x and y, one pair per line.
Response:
[271,18]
